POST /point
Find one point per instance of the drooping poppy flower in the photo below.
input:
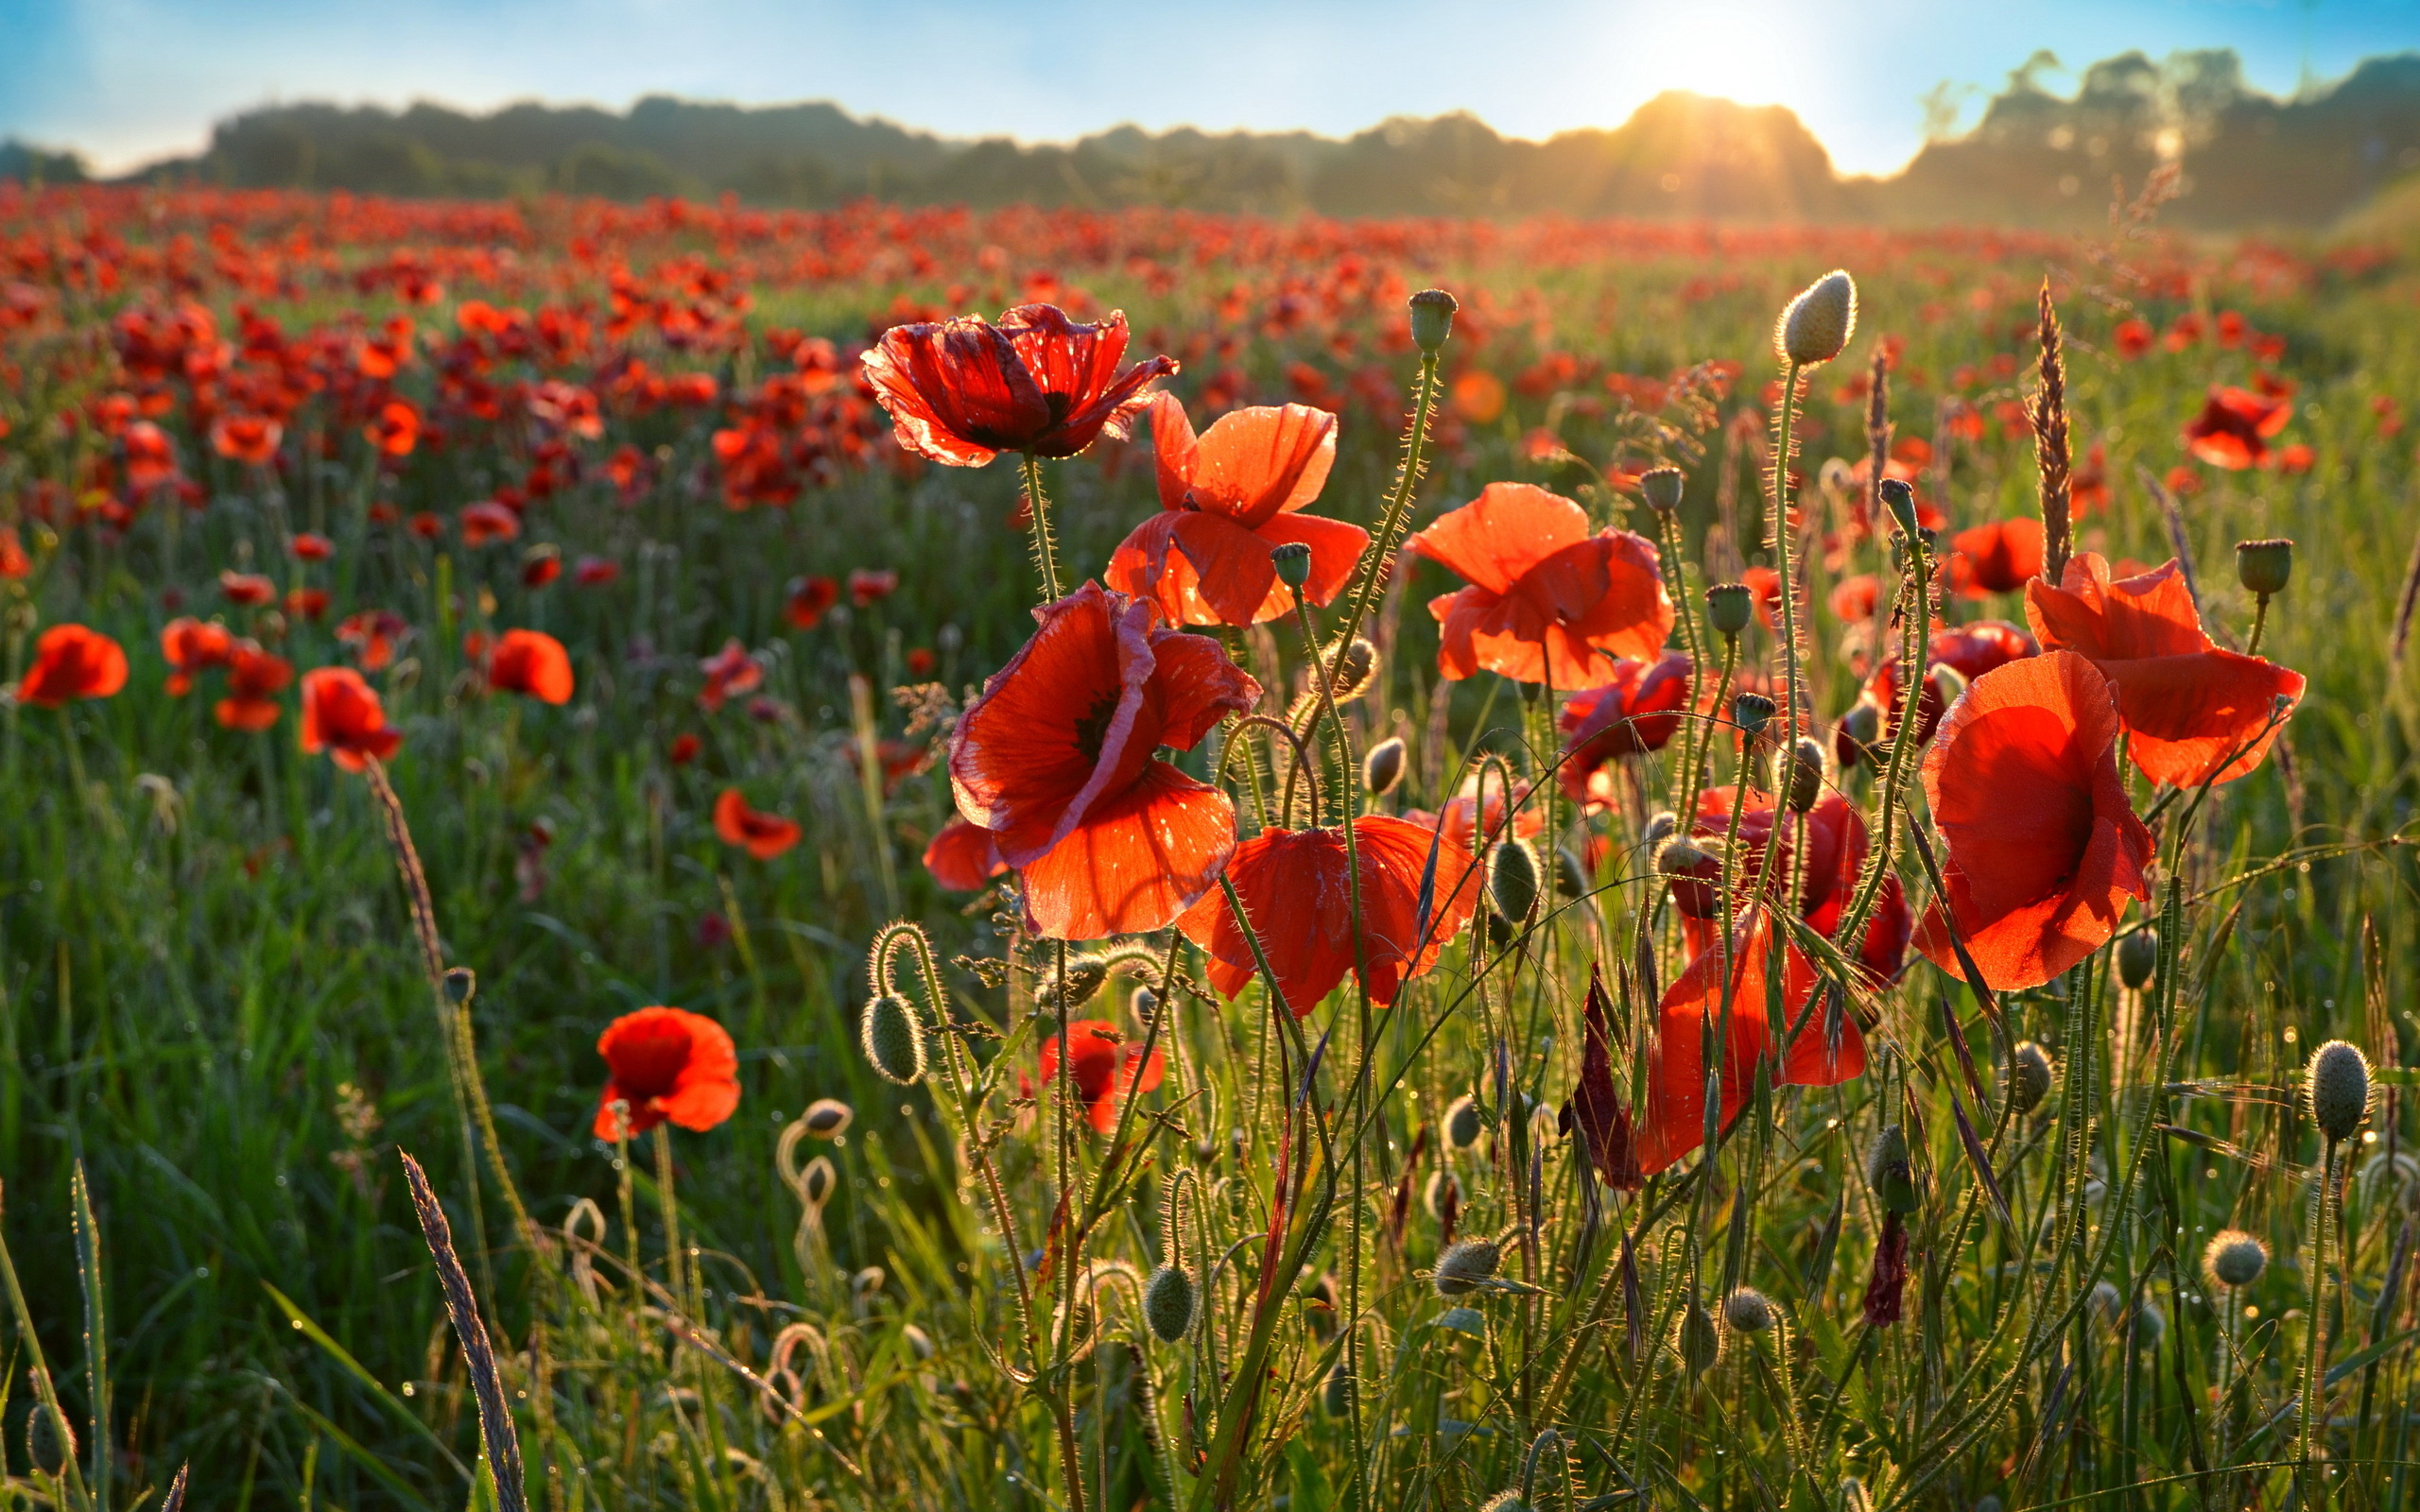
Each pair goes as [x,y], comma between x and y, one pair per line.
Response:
[341,715]
[191,648]
[1226,498]
[533,663]
[728,671]
[2192,711]
[72,661]
[488,521]
[2234,427]
[1826,879]
[247,589]
[669,1066]
[1999,557]
[255,677]
[1105,1069]
[962,857]
[762,835]
[2042,848]
[1547,600]
[1639,712]
[1970,650]
[1055,759]
[1295,890]
[808,600]
[962,391]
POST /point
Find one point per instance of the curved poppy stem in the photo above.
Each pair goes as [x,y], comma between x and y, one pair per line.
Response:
[1046,548]
[1302,761]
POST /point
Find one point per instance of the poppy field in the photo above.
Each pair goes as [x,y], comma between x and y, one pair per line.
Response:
[680,856]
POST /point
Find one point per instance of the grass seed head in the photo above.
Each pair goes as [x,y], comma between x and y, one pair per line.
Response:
[1466,1265]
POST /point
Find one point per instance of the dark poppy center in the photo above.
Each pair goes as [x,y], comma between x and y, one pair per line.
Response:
[1092,729]
[649,1064]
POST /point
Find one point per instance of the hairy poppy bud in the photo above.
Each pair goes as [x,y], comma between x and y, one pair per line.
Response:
[1751,712]
[1727,607]
[2234,1259]
[1463,1123]
[1815,326]
[1335,1393]
[1859,729]
[1353,670]
[827,1117]
[1748,1310]
[1662,827]
[2151,1324]
[2138,958]
[2029,1075]
[1681,857]
[1571,876]
[1465,1266]
[2263,566]
[1888,1173]
[1383,768]
[1806,773]
[817,1182]
[462,984]
[1511,880]
[1432,318]
[1695,1338]
[1504,1502]
[1661,488]
[893,1039]
[1899,497]
[50,1442]
[1167,1303]
[1086,976]
[1293,560]
[1948,681]
[2338,1086]
[1443,1189]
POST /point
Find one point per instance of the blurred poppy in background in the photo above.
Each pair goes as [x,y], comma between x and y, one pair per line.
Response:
[669,1066]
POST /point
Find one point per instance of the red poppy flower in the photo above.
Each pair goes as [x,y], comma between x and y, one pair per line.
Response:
[1225,499]
[13,560]
[541,564]
[1055,759]
[488,521]
[252,439]
[869,585]
[1970,650]
[531,663]
[311,547]
[2188,707]
[428,526]
[341,715]
[1999,557]
[2132,338]
[762,835]
[306,603]
[1458,821]
[595,572]
[683,749]
[1764,591]
[1295,889]
[247,589]
[255,677]
[808,600]
[1825,881]
[728,671]
[371,634]
[962,391]
[2234,427]
[1105,1069]
[670,1066]
[962,857]
[1855,598]
[70,662]
[2044,849]
[395,429]
[1637,712]
[1547,600]
[150,456]
[192,647]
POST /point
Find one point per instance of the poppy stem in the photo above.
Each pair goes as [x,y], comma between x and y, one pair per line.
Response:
[1676,583]
[1046,548]
[74,757]
[2313,1362]
[2259,623]
[1372,569]
[1783,444]
[670,1206]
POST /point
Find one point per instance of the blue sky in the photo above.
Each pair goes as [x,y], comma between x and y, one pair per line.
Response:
[124,80]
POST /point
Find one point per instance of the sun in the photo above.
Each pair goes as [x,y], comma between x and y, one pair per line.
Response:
[1740,51]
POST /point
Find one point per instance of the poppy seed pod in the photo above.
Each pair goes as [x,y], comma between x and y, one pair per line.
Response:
[1696,1339]
[1293,562]
[2263,566]
[1661,487]
[1747,1311]
[1899,497]
[2029,1075]
[1466,1265]
[1751,712]
[1167,1303]
[1463,1122]
[50,1442]
[893,1039]
[2234,1259]
[1382,768]
[1728,606]
[1817,325]
[2138,958]
[817,1182]
[2337,1083]
[1432,318]
[1806,774]
[827,1117]
[1511,880]
[1888,1173]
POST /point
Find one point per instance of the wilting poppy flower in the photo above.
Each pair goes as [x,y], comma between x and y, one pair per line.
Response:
[808,600]
[762,835]
[867,585]
[1105,1069]
[962,857]
[311,547]
[192,647]
[72,661]
[252,439]
[962,391]
[530,662]
[488,521]
[1970,650]
[1825,880]
[1635,713]
[2001,556]
[2234,427]
[255,677]
[670,1066]
[1295,889]
[728,671]
[395,429]
[1225,499]
[247,589]
[1055,759]
[2043,847]
[1547,600]
[341,715]
[2189,709]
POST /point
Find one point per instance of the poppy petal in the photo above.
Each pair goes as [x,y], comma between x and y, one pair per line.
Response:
[1135,862]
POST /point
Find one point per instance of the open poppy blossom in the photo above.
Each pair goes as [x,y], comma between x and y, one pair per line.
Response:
[533,663]
[1999,557]
[247,589]
[962,391]
[309,546]
[1970,650]
[1548,600]
[669,1066]
[371,634]
[254,679]
[1639,712]
[1055,759]
[728,671]
[1826,879]
[762,835]
[1225,499]
[2043,847]
[341,715]
[1105,1069]
[2234,426]
[395,429]
[962,857]
[808,599]
[192,647]
[488,521]
[71,662]
[1294,887]
[252,439]
[2192,711]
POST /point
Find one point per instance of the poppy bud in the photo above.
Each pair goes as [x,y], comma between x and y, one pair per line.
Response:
[1463,1123]
[1899,497]
[827,1117]
[1888,1173]
[1695,1338]
[1751,712]
[893,1039]
[2151,1324]
[1806,774]
[1086,975]
[1504,1502]
[1662,827]
[1661,487]
[1860,728]
[2029,1075]
[2263,566]
[1500,933]
[462,984]
[1353,670]
[2234,1259]
[1432,318]
[1680,858]
[2138,958]
[1511,880]
[1815,326]
[1383,768]
[1336,1394]
[1293,560]
[1442,1191]
[1748,1310]
[2339,1087]
[1571,876]
[815,1184]
[1948,681]
[1466,1265]
[1727,607]
[50,1443]
[1143,1003]
[1167,1303]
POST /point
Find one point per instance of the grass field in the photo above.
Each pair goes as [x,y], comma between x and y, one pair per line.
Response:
[378,435]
